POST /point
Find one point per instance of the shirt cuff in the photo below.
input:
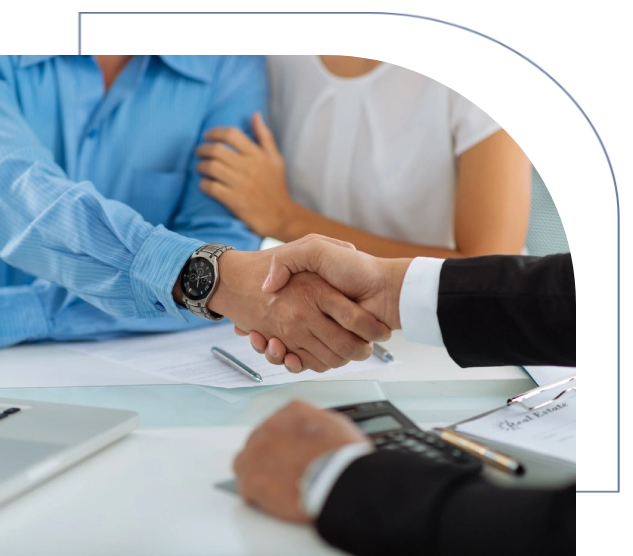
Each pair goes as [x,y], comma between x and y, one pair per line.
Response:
[155,270]
[322,475]
[418,302]
[22,316]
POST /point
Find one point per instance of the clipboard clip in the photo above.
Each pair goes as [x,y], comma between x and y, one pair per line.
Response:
[519,399]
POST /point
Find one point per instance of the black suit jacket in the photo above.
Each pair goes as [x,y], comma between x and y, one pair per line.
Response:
[492,311]
[509,310]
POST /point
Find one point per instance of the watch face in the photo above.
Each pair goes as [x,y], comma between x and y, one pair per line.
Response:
[197,278]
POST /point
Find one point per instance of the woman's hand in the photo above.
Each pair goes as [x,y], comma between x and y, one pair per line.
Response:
[248,177]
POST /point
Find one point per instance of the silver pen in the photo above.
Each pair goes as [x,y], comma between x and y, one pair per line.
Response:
[383,353]
[236,364]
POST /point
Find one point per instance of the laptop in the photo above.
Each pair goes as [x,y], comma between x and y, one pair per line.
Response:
[39,440]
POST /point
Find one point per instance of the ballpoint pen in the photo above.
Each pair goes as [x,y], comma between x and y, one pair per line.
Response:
[382,353]
[236,364]
[488,455]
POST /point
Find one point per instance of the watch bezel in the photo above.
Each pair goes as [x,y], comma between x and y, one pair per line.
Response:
[213,261]
[191,261]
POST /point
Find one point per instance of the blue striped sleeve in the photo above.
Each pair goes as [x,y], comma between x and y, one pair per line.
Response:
[66,232]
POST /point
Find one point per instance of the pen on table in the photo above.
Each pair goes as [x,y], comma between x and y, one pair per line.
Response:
[383,353]
[481,451]
[236,364]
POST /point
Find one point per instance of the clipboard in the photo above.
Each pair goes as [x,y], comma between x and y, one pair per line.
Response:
[540,470]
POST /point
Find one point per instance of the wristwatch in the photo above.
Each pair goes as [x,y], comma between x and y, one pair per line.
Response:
[199,279]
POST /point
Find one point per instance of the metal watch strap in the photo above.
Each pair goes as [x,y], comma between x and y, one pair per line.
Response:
[199,308]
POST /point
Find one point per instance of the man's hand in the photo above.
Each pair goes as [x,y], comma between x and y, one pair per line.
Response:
[312,319]
[373,283]
[248,177]
[278,453]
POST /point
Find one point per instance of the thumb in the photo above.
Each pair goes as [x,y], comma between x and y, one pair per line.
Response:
[264,136]
[324,256]
[278,275]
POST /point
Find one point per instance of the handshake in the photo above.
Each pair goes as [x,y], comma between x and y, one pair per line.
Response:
[315,303]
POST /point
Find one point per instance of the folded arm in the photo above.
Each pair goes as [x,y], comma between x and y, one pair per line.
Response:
[492,202]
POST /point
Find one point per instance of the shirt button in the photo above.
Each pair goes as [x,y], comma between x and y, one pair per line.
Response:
[160,307]
[92,134]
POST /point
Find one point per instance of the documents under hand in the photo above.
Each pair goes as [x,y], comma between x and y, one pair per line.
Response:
[185,357]
[546,423]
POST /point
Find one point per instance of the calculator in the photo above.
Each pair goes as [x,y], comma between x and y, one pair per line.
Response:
[392,430]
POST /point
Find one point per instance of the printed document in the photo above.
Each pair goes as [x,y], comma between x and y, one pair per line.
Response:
[550,430]
[185,357]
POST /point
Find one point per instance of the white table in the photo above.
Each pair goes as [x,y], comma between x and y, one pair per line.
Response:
[150,494]
[427,384]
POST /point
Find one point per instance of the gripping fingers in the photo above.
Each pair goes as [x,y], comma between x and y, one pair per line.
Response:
[355,319]
[276,351]
[293,363]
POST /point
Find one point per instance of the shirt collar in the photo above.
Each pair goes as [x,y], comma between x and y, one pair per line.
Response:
[26,61]
[193,67]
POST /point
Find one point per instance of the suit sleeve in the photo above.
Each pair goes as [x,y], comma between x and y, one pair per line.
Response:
[395,503]
[504,310]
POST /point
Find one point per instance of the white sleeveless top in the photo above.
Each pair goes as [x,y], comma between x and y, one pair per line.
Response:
[377,152]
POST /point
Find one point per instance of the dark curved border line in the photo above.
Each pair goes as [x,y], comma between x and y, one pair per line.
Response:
[578,107]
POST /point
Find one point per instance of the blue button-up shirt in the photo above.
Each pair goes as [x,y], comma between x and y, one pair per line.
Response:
[92,182]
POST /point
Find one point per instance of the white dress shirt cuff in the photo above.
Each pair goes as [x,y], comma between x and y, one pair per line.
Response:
[322,475]
[418,302]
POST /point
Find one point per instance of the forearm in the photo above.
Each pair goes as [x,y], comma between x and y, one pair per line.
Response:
[509,311]
[303,221]
[43,311]
[390,503]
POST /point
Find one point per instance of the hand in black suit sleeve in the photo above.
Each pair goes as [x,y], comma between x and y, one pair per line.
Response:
[503,310]
[397,504]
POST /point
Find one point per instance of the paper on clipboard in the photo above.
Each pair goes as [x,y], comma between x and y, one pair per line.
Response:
[548,430]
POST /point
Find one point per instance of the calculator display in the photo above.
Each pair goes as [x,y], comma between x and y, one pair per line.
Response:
[378,424]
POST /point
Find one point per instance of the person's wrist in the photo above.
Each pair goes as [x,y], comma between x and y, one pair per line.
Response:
[288,224]
[394,272]
[228,275]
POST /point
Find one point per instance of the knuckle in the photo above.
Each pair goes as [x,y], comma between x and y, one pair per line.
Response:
[348,350]
[339,362]
[297,314]
[321,367]
[348,318]
[360,351]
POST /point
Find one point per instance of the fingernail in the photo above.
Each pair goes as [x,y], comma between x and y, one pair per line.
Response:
[257,349]
[273,352]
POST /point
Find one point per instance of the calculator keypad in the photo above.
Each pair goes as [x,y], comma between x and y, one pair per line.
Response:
[425,444]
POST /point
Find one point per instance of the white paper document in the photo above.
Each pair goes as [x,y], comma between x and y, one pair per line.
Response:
[550,430]
[185,357]
[545,375]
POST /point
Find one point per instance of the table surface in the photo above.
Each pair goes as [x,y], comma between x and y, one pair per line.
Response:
[152,493]
[424,382]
